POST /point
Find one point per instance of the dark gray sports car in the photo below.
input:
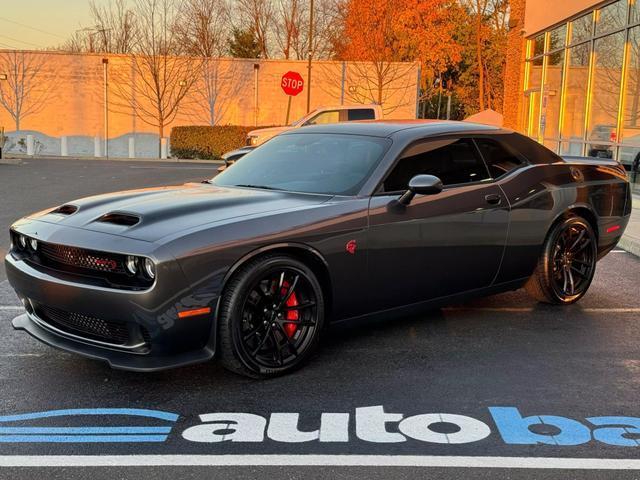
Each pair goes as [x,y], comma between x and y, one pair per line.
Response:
[322,224]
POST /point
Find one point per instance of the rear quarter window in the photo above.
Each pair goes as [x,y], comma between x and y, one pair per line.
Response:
[361,114]
[500,158]
[532,150]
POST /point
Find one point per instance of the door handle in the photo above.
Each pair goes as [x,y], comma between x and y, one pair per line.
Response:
[493,199]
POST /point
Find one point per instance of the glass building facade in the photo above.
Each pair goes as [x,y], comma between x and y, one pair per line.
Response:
[582,86]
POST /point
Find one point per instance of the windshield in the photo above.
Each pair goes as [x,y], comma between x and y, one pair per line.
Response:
[331,164]
[304,118]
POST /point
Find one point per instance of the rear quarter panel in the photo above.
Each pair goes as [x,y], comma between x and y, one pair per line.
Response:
[541,194]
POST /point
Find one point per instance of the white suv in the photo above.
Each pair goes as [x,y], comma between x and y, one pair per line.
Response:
[331,114]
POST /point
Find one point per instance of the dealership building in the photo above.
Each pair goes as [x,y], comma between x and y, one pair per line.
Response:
[573,77]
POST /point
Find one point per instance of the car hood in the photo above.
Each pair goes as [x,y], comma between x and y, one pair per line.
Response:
[153,213]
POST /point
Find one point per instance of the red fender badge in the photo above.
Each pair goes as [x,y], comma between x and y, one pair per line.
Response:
[351,247]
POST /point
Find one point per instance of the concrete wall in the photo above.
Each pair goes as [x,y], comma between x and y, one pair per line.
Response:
[72,87]
[541,14]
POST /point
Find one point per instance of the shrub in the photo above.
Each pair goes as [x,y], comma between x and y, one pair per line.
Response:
[206,142]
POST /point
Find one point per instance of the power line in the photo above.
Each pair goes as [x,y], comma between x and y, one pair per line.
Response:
[32,28]
[21,41]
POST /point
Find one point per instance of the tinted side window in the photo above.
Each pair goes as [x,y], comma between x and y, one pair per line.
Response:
[330,116]
[454,161]
[532,150]
[361,114]
[500,158]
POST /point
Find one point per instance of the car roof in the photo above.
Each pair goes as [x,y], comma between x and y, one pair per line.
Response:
[386,128]
[347,107]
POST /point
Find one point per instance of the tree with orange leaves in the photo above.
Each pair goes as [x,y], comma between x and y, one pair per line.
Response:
[381,33]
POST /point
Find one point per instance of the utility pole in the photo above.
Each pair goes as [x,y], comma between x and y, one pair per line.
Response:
[310,56]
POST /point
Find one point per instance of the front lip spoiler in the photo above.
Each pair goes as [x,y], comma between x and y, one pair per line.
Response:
[116,359]
[134,349]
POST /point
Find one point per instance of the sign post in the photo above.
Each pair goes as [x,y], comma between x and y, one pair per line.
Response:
[292,84]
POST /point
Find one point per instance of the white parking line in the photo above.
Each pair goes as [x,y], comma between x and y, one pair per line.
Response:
[318,460]
[531,309]
[11,308]
[18,355]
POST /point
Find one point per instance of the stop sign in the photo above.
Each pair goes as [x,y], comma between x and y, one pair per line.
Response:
[292,83]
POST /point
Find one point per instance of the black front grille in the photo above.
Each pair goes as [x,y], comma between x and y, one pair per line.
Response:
[84,325]
[81,258]
[83,265]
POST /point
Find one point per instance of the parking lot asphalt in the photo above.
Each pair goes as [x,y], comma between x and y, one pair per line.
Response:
[511,389]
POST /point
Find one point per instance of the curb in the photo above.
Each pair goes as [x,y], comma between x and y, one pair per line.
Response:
[630,244]
[18,158]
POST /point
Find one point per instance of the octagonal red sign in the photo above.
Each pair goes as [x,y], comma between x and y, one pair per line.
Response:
[292,83]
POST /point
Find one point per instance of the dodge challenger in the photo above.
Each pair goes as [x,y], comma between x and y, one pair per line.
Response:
[320,225]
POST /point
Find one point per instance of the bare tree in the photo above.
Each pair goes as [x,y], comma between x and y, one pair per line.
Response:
[24,92]
[202,30]
[203,27]
[113,31]
[328,28]
[289,31]
[258,15]
[388,84]
[83,40]
[216,91]
[115,26]
[161,79]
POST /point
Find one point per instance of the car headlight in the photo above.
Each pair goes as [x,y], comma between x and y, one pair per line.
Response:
[33,243]
[22,241]
[131,264]
[150,268]
[252,141]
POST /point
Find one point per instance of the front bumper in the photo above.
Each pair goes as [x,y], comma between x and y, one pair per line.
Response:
[116,359]
[158,338]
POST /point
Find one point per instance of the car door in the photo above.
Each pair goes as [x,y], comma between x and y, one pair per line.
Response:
[439,244]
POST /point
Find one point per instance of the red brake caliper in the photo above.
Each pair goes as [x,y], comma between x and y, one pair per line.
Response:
[292,301]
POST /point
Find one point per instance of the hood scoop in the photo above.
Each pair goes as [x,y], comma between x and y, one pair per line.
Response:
[65,210]
[119,218]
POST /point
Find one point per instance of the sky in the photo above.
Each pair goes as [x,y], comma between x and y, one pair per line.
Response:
[30,24]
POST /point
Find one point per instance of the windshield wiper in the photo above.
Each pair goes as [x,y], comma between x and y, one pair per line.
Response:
[265,187]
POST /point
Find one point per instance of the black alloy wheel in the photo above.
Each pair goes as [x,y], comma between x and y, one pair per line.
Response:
[272,313]
[568,263]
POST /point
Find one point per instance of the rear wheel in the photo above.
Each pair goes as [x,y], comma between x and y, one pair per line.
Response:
[567,264]
[271,316]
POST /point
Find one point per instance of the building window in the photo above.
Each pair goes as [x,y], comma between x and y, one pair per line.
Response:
[532,98]
[607,78]
[612,17]
[552,95]
[572,100]
[630,134]
[557,37]
[538,45]
[635,12]
[581,28]
[575,99]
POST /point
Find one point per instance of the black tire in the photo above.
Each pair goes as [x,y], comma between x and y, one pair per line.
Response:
[567,265]
[259,334]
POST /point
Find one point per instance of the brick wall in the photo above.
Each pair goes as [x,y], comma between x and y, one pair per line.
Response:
[514,69]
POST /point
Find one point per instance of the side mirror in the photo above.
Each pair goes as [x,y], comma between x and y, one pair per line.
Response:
[421,185]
